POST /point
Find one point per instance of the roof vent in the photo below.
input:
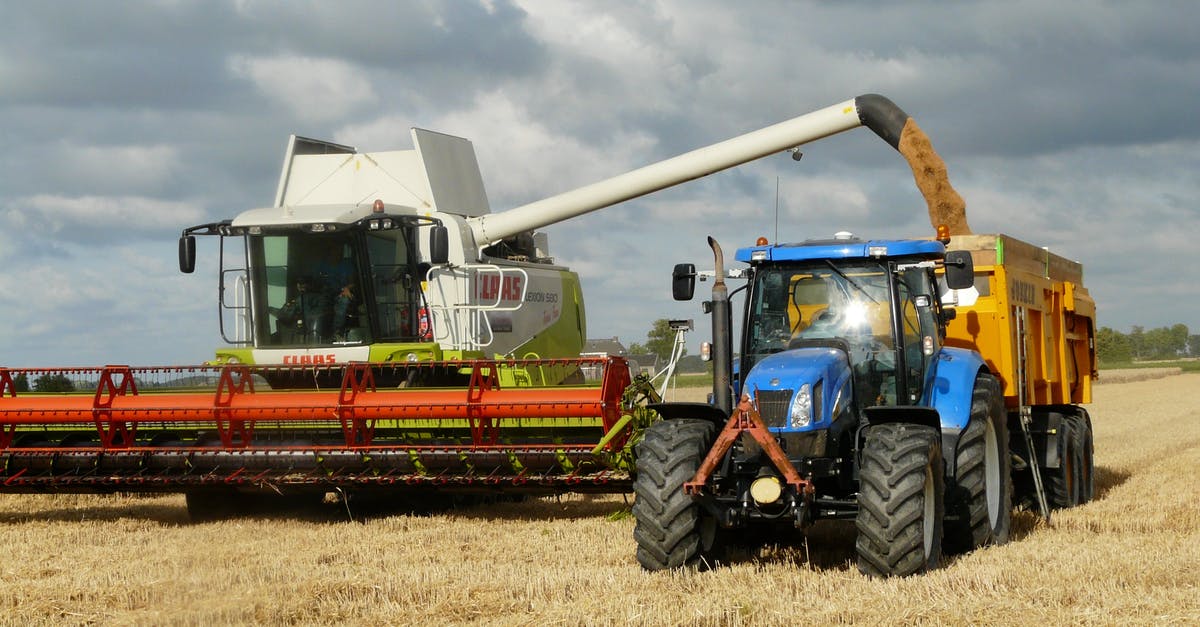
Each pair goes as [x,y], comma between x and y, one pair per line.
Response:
[843,235]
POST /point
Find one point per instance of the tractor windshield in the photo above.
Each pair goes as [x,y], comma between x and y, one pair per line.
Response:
[809,304]
[323,289]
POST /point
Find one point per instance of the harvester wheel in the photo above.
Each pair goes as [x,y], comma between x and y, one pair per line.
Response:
[1063,483]
[980,495]
[673,530]
[900,500]
[208,505]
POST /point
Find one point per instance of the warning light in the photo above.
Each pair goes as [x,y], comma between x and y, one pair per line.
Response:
[378,206]
[943,233]
[762,241]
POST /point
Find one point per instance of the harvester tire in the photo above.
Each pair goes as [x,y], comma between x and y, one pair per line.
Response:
[673,530]
[979,496]
[901,500]
[213,504]
[1063,484]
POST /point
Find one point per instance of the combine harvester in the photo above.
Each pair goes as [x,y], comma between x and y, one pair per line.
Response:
[390,335]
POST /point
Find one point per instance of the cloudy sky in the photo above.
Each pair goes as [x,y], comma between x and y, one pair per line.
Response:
[1073,125]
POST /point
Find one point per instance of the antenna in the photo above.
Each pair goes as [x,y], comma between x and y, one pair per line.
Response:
[776,240]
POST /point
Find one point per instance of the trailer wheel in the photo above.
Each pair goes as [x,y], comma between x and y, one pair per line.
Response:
[673,530]
[900,500]
[980,495]
[1087,468]
[1063,483]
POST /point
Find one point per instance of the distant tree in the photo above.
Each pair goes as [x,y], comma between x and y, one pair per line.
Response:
[53,383]
[1193,345]
[1179,339]
[1137,342]
[21,382]
[1113,346]
[660,341]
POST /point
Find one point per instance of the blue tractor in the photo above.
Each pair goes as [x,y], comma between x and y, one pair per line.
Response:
[845,404]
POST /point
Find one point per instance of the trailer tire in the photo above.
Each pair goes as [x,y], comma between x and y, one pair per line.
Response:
[900,501]
[673,530]
[1063,484]
[980,494]
[1087,468]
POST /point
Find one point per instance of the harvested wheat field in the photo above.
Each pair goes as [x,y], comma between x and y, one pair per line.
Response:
[1131,556]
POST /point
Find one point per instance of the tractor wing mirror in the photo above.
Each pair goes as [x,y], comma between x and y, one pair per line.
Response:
[187,254]
[683,281]
[439,245]
[960,270]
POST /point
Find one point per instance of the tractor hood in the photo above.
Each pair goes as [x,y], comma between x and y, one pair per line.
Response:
[798,389]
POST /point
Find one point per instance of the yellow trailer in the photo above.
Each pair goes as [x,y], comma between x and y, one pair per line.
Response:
[1034,324]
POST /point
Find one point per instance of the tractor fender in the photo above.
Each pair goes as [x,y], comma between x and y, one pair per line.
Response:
[699,411]
[952,384]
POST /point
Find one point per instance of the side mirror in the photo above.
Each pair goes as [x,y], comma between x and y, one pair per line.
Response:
[960,270]
[683,281]
[439,245]
[187,254]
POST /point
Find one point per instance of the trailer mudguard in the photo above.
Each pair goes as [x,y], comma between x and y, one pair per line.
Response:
[951,384]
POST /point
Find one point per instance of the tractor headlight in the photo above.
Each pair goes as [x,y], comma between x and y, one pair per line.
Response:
[801,413]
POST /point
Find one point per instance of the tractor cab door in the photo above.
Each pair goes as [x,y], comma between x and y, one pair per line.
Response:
[919,334]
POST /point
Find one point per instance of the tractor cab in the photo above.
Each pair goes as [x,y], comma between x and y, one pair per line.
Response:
[850,321]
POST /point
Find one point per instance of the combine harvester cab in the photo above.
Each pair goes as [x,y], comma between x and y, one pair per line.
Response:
[370,257]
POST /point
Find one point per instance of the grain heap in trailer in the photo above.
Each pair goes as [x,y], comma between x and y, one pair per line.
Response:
[390,335]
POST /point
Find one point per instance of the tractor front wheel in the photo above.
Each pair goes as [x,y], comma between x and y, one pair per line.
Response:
[900,500]
[673,530]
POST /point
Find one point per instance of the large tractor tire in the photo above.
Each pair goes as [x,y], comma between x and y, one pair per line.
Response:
[673,530]
[980,495]
[900,500]
[1063,484]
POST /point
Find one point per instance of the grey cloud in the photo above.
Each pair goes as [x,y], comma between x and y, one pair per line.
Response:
[1072,124]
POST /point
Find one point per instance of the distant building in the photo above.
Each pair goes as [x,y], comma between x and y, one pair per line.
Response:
[645,363]
[603,348]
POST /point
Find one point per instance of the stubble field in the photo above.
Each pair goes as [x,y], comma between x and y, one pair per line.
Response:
[1130,556]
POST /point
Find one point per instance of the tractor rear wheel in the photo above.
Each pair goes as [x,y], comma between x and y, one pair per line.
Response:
[673,530]
[1063,483]
[980,495]
[900,500]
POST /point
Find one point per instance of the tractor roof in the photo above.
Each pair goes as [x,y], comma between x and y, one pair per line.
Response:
[842,248]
